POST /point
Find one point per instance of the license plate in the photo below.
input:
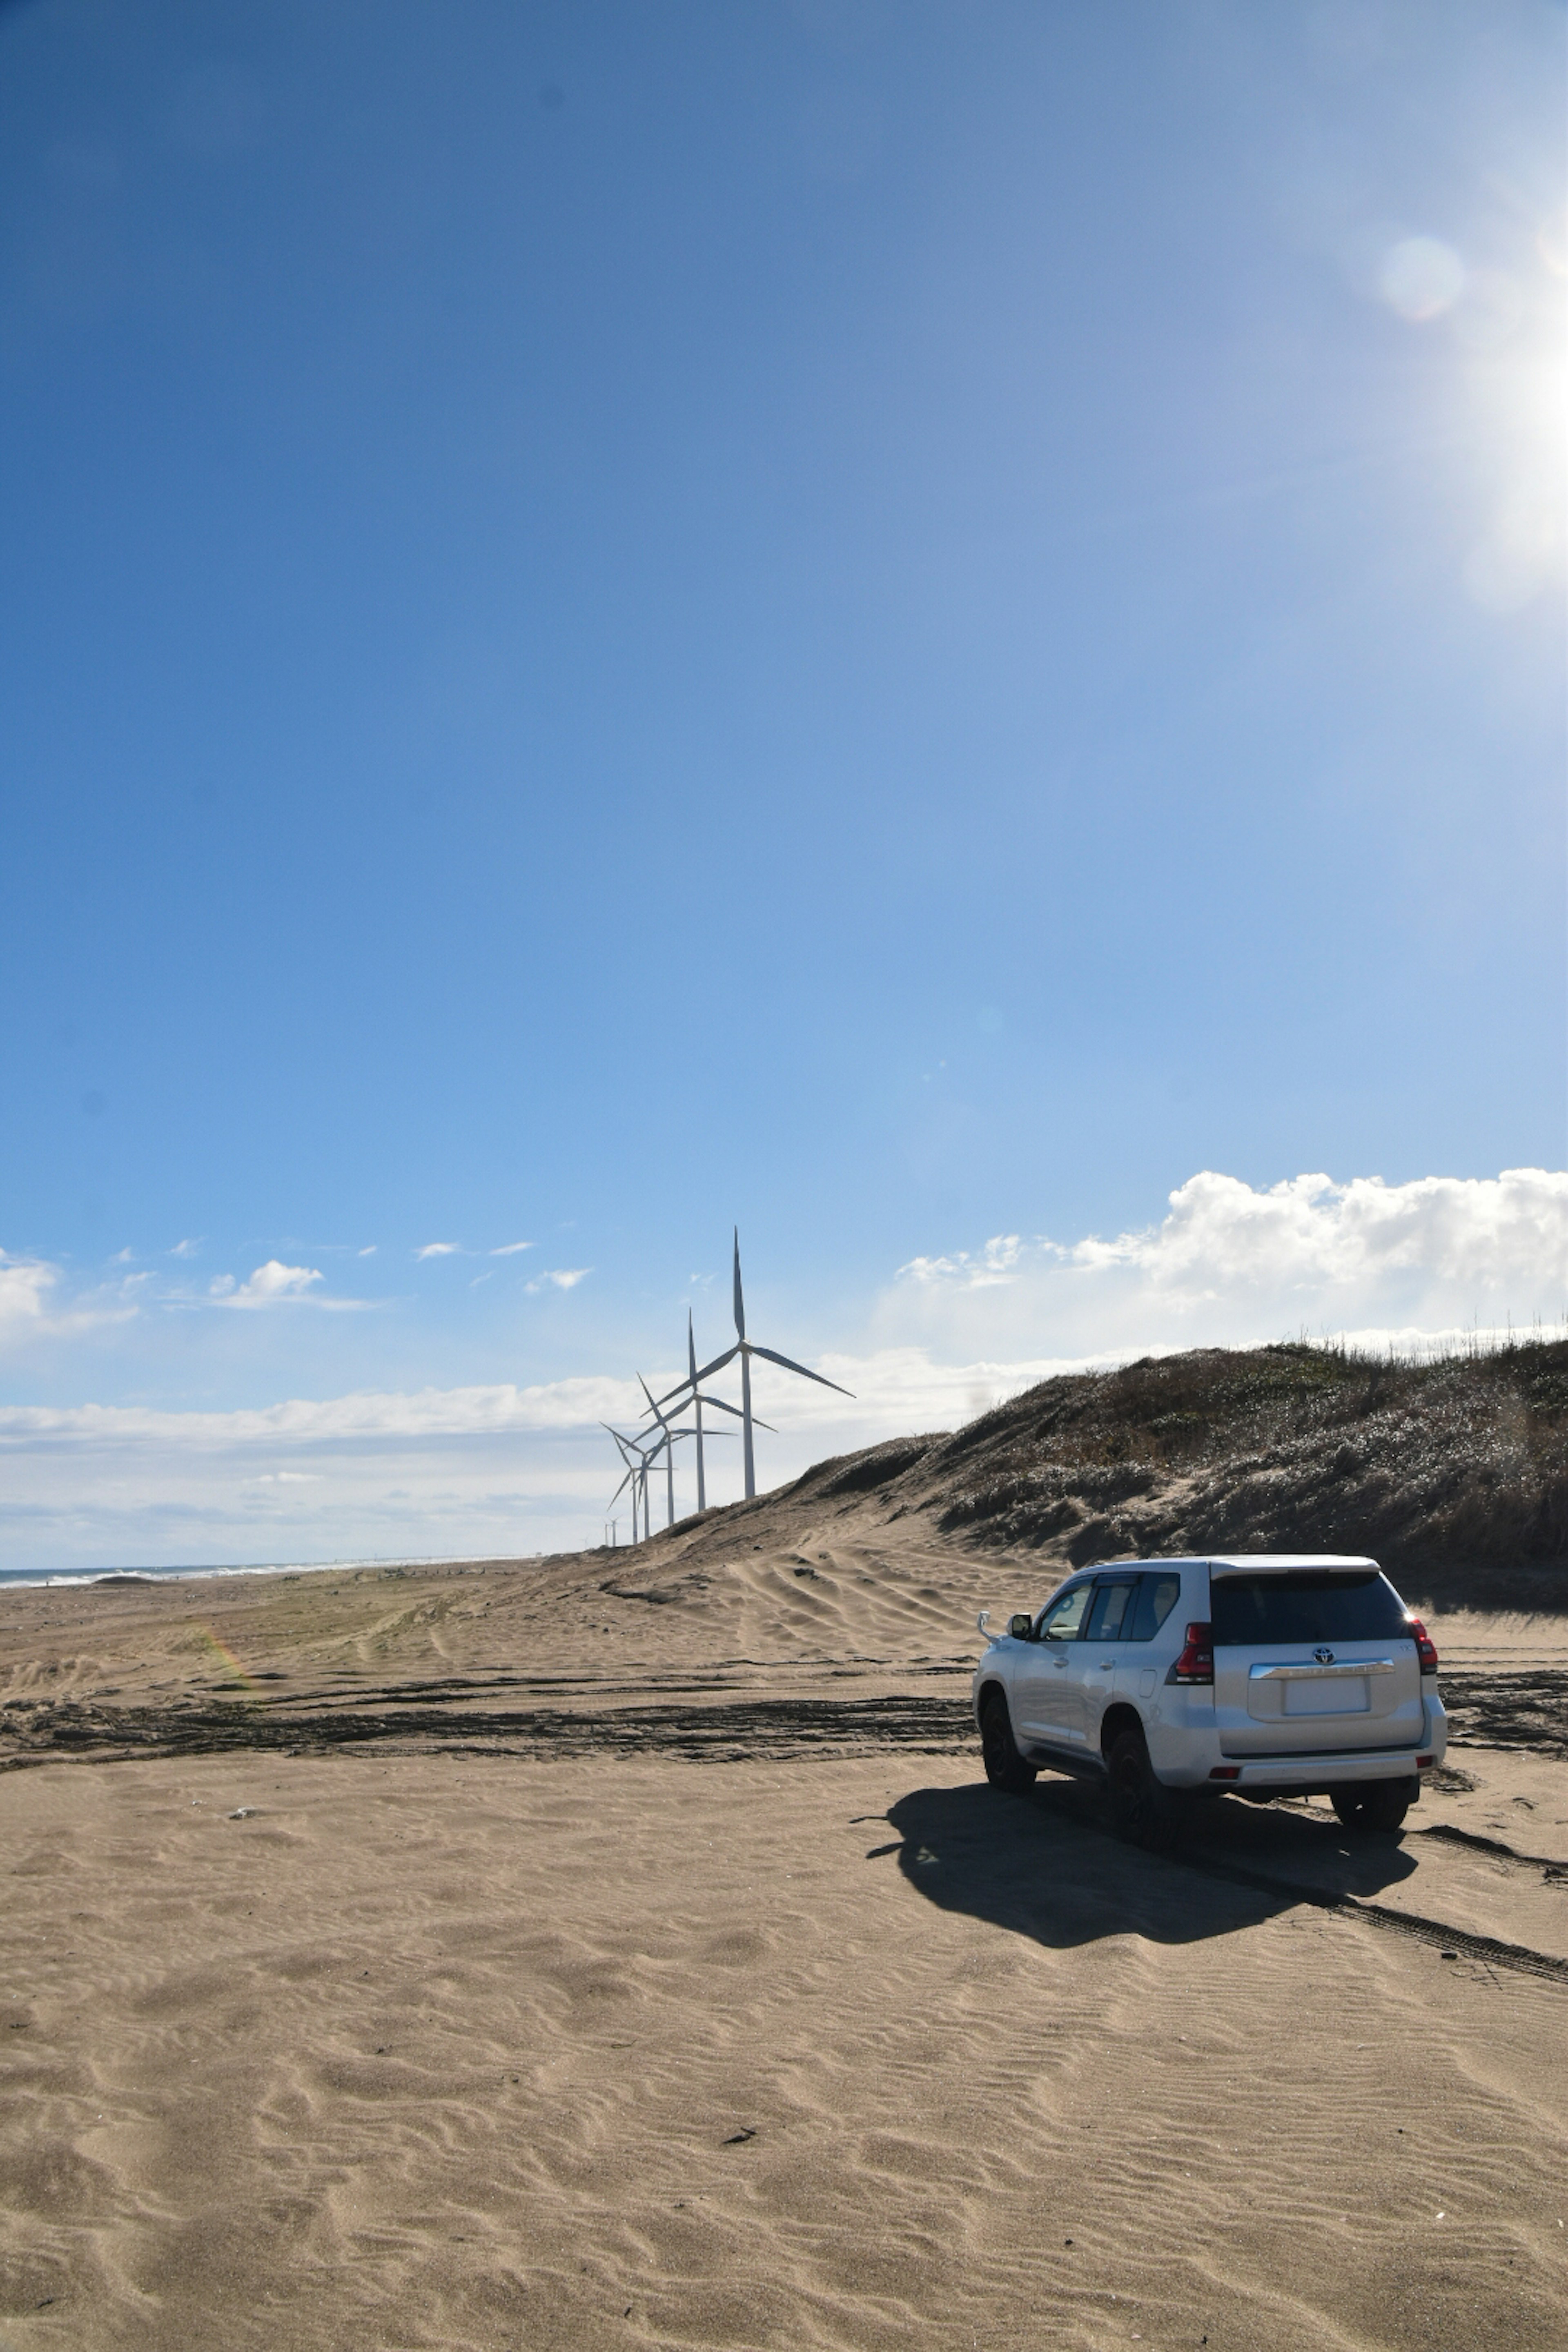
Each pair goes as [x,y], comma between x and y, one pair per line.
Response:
[1335,1694]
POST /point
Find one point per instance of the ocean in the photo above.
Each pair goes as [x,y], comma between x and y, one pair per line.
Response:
[22,1576]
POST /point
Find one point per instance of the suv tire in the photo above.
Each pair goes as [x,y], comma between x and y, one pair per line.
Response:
[1004,1767]
[1375,1804]
[1143,1810]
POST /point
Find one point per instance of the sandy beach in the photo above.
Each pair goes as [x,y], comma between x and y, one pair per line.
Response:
[628,1951]
[800,762]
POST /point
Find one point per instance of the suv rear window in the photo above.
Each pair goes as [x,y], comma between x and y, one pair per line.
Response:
[1306,1605]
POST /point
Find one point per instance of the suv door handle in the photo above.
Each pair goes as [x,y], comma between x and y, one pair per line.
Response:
[1058,1661]
[1106,1665]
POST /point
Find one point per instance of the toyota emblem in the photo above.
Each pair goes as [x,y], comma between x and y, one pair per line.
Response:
[1324,1657]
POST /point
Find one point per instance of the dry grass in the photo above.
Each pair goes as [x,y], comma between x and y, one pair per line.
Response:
[1449,1470]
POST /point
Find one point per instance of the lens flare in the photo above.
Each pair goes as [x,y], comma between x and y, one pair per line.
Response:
[1421,278]
[234,1674]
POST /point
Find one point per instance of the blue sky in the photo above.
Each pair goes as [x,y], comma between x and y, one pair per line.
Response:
[904,626]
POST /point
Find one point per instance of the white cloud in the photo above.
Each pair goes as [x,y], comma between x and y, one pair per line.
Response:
[995,1263]
[1232,1263]
[511,1249]
[38,1301]
[367,1415]
[272,1284]
[439,1249]
[369,1250]
[25,1285]
[440,1473]
[437,1473]
[560,1277]
[186,1249]
[29,1289]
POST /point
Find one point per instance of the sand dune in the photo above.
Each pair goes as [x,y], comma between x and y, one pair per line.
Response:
[1453,1473]
[646,1963]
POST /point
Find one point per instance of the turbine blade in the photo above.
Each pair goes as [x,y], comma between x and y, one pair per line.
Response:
[790,1367]
[740,1302]
[716,1404]
[651,1406]
[627,1444]
[690,1349]
[716,1366]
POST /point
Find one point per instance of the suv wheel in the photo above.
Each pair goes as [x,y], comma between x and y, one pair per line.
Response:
[1143,1810]
[1004,1767]
[1375,1804]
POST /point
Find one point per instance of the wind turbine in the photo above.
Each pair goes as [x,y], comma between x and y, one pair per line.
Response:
[635,1477]
[647,1459]
[692,1394]
[629,1479]
[668,1443]
[746,1349]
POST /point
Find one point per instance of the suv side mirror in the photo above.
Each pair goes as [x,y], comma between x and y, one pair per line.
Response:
[1021,1626]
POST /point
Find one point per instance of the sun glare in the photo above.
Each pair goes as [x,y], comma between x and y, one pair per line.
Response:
[1507,326]
[1499,299]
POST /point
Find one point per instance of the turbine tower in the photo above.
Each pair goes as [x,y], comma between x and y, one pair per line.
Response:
[629,1480]
[746,1349]
[697,1402]
[666,1443]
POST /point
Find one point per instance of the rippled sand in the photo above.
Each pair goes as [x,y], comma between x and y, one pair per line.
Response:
[736,2010]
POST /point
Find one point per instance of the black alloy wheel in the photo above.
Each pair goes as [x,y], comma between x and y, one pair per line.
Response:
[1143,1810]
[1375,1804]
[1004,1767]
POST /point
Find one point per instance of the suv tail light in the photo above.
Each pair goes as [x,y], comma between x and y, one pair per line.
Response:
[1426,1648]
[1195,1663]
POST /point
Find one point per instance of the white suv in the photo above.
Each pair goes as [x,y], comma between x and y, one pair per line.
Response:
[1259,1675]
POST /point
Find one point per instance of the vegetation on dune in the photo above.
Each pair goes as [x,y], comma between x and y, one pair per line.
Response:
[1439,1468]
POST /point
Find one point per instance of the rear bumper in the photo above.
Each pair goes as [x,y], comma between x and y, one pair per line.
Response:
[1307,1774]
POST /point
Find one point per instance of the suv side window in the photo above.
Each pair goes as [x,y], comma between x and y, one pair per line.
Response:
[1108,1620]
[1157,1595]
[1063,1620]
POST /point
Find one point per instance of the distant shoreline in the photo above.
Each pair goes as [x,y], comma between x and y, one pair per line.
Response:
[32,1579]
